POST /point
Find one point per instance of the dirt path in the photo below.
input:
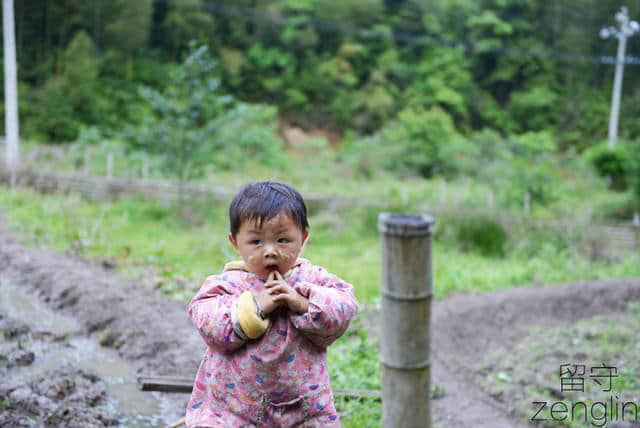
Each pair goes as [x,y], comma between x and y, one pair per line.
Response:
[155,336]
[466,327]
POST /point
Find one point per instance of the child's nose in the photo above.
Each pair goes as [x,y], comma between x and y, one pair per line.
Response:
[270,250]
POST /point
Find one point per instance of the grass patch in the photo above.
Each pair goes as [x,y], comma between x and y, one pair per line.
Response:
[175,247]
[353,363]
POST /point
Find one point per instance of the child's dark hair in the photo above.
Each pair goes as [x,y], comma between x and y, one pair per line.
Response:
[264,200]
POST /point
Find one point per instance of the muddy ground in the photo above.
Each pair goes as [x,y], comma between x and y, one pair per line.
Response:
[152,335]
[64,396]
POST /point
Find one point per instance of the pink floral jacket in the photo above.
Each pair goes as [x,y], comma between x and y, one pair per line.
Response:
[280,379]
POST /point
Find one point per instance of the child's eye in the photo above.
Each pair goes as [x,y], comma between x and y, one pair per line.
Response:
[284,240]
[255,242]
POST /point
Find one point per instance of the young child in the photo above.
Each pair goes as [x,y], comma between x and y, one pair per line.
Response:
[268,320]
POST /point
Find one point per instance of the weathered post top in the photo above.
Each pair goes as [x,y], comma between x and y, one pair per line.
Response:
[405,224]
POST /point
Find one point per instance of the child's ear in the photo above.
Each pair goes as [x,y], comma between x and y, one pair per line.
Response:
[305,237]
[233,241]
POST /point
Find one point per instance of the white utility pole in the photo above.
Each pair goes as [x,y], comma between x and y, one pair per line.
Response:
[10,90]
[627,29]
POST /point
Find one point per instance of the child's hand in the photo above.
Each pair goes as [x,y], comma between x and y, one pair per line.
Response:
[266,301]
[284,294]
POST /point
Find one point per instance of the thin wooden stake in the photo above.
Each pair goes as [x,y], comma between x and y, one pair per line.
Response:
[490,199]
[86,160]
[443,192]
[110,165]
[145,167]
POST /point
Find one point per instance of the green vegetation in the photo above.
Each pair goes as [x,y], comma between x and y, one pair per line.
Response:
[535,362]
[353,364]
[182,245]
[509,65]
[474,89]
[205,101]
[190,125]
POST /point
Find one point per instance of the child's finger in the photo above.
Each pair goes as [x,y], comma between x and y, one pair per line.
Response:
[271,283]
[276,288]
[280,298]
[280,288]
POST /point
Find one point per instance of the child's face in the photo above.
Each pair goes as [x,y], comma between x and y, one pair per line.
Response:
[274,246]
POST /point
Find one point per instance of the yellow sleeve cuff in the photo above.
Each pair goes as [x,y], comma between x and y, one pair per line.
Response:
[247,313]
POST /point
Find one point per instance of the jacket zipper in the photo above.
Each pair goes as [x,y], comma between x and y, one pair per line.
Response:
[263,408]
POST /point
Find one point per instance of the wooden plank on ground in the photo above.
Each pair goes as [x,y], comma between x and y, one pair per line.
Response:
[177,384]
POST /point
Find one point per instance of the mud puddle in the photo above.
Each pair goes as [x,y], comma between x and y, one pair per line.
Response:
[42,345]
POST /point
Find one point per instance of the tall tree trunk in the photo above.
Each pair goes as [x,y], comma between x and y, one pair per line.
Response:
[42,77]
[96,24]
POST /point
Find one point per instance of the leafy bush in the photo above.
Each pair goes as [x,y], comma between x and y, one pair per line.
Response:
[636,188]
[441,78]
[51,118]
[532,167]
[534,108]
[481,234]
[634,173]
[422,134]
[517,165]
[617,163]
[69,98]
[417,141]
[248,132]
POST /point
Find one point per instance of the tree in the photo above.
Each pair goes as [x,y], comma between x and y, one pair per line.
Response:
[186,21]
[70,98]
[192,124]
[128,33]
[184,115]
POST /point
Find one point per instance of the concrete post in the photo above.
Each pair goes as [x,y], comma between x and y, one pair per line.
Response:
[10,92]
[627,29]
[406,319]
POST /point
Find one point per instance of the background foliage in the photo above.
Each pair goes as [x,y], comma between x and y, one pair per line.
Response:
[511,65]
[502,91]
